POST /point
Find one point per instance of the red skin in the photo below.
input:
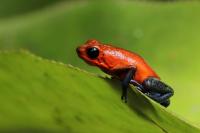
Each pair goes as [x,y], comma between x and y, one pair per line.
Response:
[117,61]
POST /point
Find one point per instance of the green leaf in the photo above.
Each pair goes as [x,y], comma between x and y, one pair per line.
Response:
[165,34]
[40,95]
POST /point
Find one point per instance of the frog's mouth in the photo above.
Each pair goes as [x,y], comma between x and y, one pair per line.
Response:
[81,54]
[89,63]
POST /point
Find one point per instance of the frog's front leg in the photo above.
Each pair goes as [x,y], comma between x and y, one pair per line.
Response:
[158,91]
[125,83]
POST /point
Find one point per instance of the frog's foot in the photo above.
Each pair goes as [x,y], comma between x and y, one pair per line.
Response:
[158,91]
[155,96]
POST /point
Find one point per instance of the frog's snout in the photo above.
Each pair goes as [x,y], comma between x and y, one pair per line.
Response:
[78,51]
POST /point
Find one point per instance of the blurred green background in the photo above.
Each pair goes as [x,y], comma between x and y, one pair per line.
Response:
[166,34]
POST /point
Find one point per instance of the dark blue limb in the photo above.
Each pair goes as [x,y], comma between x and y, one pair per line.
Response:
[158,91]
[138,86]
[126,82]
[154,95]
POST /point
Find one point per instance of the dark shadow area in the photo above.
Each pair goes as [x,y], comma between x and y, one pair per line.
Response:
[138,103]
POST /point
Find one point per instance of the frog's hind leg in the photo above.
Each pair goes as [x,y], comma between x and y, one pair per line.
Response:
[137,85]
[165,103]
[155,95]
[158,91]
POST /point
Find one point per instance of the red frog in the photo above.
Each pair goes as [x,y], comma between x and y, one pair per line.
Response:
[127,66]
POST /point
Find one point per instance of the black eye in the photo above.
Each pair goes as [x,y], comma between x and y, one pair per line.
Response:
[93,52]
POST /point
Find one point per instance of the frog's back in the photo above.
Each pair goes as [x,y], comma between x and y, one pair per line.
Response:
[143,70]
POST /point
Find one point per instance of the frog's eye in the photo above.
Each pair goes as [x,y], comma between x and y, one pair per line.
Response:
[92,52]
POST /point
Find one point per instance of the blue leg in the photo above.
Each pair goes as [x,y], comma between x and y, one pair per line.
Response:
[158,91]
[138,86]
[126,82]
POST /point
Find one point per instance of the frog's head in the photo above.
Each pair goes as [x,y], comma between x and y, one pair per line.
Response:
[90,52]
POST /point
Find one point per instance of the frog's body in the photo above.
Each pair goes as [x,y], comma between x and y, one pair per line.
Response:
[129,67]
